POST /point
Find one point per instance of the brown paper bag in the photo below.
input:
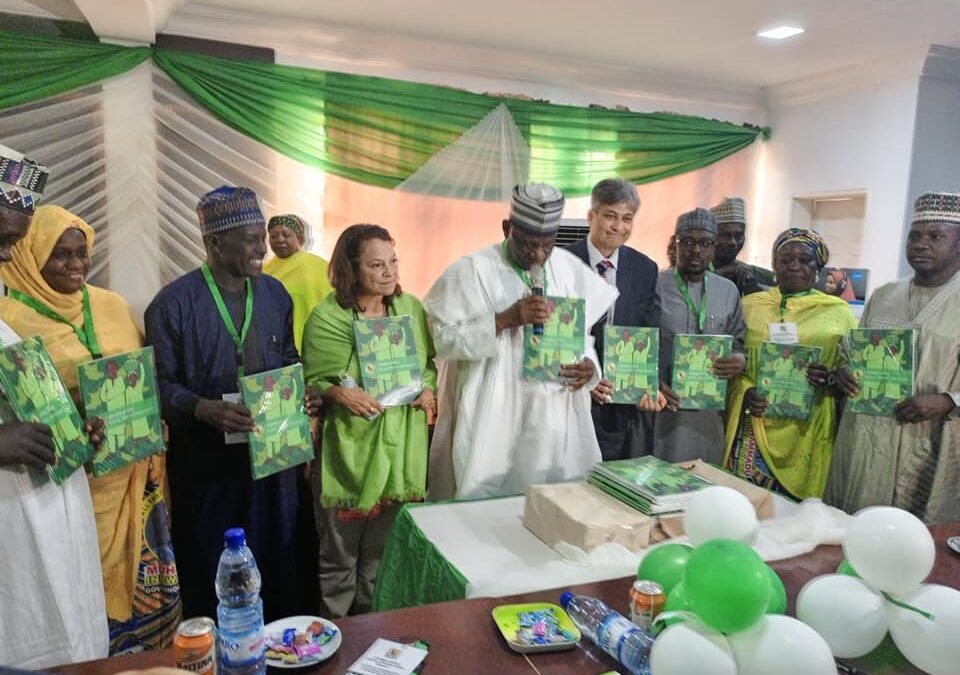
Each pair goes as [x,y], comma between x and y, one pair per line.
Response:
[583,516]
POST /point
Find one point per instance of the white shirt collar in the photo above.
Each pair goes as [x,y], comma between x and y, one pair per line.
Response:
[595,256]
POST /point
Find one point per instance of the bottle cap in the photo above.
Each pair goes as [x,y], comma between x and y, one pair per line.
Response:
[565,599]
[235,537]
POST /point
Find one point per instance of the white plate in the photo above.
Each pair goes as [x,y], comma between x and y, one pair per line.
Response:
[954,544]
[300,624]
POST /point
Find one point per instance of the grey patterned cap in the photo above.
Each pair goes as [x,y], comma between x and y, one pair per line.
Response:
[730,210]
[537,208]
[937,207]
[698,219]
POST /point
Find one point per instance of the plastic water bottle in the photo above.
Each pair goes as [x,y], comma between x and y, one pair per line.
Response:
[240,612]
[614,633]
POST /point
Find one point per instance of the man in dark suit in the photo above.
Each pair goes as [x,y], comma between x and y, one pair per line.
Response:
[622,430]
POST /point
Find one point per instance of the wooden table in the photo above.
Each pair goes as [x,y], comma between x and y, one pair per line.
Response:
[464,640]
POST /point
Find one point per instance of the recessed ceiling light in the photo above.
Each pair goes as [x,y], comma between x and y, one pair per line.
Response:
[780,32]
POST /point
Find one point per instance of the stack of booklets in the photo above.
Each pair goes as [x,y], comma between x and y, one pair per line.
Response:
[648,484]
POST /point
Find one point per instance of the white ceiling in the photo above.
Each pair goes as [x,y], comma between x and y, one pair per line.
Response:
[707,40]
[696,41]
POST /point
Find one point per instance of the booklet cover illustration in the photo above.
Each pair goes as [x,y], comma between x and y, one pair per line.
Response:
[36,394]
[282,437]
[562,342]
[122,391]
[782,379]
[630,362]
[387,351]
[882,360]
[693,379]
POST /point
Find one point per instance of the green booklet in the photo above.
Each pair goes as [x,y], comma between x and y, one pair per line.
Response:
[693,381]
[122,391]
[36,394]
[782,379]
[630,362]
[657,486]
[882,360]
[389,366]
[282,437]
[562,343]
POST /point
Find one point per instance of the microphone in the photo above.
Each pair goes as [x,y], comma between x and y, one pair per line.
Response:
[536,285]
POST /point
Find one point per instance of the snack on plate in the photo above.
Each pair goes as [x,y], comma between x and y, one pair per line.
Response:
[541,627]
[293,646]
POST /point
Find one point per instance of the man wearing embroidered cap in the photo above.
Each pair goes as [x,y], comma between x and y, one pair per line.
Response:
[209,328]
[496,432]
[731,215]
[50,555]
[694,300]
[912,461]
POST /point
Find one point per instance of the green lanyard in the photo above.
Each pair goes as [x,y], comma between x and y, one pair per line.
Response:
[699,313]
[524,276]
[783,301]
[87,334]
[238,340]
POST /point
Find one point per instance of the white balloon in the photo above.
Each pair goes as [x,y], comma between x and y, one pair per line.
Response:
[890,548]
[933,646]
[781,645]
[690,648]
[851,617]
[719,512]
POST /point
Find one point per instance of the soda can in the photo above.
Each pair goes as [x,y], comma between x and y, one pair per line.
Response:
[195,646]
[646,602]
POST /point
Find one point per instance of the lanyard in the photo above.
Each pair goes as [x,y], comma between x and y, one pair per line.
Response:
[699,313]
[524,276]
[783,301]
[238,340]
[87,334]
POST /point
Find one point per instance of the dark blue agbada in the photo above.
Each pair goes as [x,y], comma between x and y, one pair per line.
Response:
[210,483]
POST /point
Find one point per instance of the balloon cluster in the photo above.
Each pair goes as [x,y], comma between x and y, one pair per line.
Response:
[879,587]
[725,606]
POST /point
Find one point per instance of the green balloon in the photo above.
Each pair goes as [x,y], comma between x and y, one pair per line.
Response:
[664,564]
[676,602]
[846,568]
[778,594]
[727,585]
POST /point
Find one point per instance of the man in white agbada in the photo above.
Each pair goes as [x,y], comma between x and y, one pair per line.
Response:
[496,432]
[52,609]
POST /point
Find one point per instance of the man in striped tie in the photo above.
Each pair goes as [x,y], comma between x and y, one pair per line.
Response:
[622,430]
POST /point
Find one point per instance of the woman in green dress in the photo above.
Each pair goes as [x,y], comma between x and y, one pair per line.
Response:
[373,458]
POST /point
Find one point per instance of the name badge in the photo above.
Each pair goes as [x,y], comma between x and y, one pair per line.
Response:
[784,333]
[236,437]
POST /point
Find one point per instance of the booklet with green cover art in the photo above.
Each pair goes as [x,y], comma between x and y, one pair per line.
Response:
[630,362]
[693,379]
[882,360]
[36,394]
[782,379]
[122,391]
[282,435]
[563,340]
[389,366]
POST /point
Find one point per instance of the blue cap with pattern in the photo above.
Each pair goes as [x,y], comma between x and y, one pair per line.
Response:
[228,208]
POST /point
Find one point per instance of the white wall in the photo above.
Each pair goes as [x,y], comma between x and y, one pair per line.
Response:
[936,148]
[853,140]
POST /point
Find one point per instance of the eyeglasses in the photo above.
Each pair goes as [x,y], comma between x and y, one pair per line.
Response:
[689,243]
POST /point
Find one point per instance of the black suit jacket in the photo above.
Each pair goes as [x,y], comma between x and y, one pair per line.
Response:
[621,429]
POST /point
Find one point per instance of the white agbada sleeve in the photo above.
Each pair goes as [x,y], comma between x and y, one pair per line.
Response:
[462,316]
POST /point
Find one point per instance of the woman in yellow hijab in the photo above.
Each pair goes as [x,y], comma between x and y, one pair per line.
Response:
[302,273]
[49,297]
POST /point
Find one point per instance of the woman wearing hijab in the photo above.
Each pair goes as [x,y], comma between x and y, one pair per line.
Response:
[836,282]
[790,456]
[49,297]
[302,273]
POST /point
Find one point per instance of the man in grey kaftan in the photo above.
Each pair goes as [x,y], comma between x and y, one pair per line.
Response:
[680,435]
